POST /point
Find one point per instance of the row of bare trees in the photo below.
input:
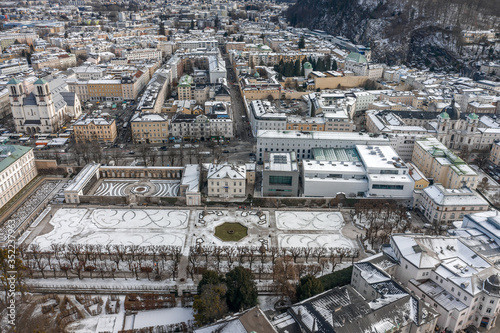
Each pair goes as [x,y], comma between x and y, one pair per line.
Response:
[87,152]
[110,261]
[163,262]
[267,263]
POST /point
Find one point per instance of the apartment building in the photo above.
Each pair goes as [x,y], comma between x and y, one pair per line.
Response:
[442,205]
[457,282]
[226,180]
[437,162]
[87,129]
[142,54]
[17,169]
[105,90]
[495,154]
[149,128]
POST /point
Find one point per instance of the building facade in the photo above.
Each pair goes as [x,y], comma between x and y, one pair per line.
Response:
[87,129]
[437,162]
[17,169]
[226,180]
[46,109]
[149,128]
[444,206]
[280,176]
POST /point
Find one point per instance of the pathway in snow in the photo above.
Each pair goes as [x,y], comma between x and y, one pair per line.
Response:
[187,228]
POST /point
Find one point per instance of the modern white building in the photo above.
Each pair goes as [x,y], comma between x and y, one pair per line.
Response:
[17,169]
[365,171]
[226,180]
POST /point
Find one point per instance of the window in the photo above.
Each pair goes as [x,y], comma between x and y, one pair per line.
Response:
[387,187]
[488,310]
[280,180]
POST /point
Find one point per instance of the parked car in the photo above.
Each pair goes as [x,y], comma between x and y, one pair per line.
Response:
[131,152]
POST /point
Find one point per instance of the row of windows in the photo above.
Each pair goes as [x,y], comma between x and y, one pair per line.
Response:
[387,187]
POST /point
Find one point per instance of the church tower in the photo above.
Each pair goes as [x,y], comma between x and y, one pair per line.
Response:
[46,109]
[16,97]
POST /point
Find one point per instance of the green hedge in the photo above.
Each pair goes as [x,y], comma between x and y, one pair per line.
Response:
[336,279]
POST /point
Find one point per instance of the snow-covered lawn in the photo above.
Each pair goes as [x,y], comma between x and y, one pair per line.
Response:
[162,317]
[116,226]
[290,220]
[258,227]
[314,240]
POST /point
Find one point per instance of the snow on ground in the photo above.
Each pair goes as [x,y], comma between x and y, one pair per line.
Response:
[116,226]
[290,220]
[258,227]
[121,188]
[313,240]
[162,317]
[267,302]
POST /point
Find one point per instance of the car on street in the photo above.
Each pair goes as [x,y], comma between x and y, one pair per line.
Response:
[226,151]
[131,152]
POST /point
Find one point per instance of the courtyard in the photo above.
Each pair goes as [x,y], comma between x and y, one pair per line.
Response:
[125,187]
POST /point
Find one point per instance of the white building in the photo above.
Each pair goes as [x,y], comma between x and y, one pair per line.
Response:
[264,116]
[303,142]
[46,109]
[142,54]
[14,66]
[441,205]
[226,180]
[462,286]
[217,68]
[197,44]
[363,171]
[363,100]
[17,169]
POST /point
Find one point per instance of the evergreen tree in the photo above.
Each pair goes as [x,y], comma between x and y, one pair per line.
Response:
[302,42]
[209,277]
[308,286]
[192,24]
[210,305]
[296,69]
[162,29]
[328,63]
[216,22]
[241,289]
[334,65]
[320,65]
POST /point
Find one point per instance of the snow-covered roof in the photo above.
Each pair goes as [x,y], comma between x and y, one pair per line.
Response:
[453,197]
[221,171]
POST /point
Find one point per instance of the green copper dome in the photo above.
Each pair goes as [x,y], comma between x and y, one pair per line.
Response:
[444,115]
[307,65]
